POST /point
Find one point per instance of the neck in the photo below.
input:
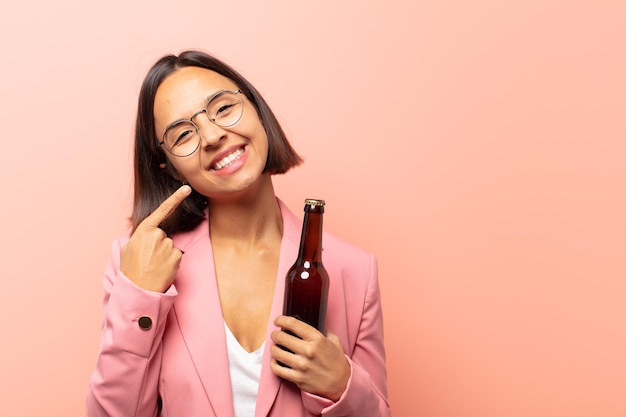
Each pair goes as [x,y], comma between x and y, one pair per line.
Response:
[249,219]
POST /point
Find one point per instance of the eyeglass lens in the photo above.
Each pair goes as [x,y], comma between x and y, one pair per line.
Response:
[224,109]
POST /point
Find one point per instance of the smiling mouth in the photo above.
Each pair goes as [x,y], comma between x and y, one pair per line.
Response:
[227,160]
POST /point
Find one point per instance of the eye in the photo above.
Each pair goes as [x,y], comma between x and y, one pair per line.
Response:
[182,136]
[179,134]
[225,108]
[223,105]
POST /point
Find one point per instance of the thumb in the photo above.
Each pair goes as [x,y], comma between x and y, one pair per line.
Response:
[334,339]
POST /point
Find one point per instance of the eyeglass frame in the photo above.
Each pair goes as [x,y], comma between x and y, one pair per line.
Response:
[205,111]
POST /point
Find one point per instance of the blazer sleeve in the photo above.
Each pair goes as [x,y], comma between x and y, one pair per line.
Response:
[124,382]
[366,392]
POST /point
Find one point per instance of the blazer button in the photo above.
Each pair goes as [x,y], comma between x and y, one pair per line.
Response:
[145,323]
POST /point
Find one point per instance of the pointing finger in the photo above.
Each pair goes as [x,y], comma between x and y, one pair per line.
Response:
[167,207]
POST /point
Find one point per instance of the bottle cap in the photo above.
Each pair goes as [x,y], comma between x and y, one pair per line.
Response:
[314,202]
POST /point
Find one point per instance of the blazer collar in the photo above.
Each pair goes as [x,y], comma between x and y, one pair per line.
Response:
[198,312]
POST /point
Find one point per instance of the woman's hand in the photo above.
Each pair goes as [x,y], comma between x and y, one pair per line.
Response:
[317,365]
[149,259]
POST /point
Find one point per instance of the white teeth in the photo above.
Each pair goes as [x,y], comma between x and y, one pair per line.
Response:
[228,159]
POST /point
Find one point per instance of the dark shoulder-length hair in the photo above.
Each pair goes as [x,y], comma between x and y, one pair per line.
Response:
[153,184]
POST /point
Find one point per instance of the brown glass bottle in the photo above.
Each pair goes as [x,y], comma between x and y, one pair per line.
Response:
[306,283]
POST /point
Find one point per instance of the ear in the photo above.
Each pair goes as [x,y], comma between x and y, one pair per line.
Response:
[169,169]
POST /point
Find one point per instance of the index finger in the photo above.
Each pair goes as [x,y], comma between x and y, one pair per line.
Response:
[167,207]
[298,327]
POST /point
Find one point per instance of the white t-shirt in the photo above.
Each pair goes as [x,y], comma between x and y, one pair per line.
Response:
[245,373]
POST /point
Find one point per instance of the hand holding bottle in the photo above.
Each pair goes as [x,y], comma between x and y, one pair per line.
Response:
[314,362]
[149,259]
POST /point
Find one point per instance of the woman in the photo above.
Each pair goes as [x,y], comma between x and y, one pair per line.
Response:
[193,296]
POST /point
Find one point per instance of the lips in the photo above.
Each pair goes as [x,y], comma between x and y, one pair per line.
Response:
[226,158]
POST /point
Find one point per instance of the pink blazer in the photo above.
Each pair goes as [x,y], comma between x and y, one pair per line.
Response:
[180,363]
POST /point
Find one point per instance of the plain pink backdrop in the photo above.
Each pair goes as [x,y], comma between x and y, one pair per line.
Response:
[477,147]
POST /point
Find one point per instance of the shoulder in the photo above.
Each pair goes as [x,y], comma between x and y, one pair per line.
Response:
[337,249]
[348,260]
[338,254]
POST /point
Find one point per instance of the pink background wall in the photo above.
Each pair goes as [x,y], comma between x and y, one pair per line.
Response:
[478,147]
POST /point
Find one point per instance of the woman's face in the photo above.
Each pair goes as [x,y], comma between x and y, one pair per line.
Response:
[229,159]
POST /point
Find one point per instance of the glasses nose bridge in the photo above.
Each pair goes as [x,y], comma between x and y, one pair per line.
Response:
[207,133]
[205,111]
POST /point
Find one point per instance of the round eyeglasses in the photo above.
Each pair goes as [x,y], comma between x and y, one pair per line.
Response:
[223,108]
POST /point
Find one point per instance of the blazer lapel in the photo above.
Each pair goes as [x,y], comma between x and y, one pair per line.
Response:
[270,383]
[199,314]
[206,338]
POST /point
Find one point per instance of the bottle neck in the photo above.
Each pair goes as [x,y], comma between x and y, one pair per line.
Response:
[311,239]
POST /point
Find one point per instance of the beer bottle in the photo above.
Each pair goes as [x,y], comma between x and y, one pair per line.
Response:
[306,284]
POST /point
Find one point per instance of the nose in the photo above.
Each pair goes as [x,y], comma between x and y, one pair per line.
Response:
[210,133]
